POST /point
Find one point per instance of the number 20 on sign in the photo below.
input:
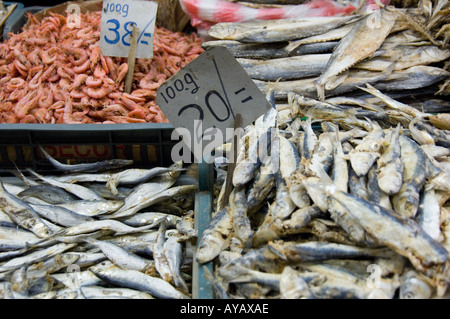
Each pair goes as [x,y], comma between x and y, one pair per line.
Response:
[118,19]
[211,89]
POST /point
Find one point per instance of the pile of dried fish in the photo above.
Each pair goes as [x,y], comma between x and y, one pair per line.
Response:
[357,207]
[97,233]
[395,49]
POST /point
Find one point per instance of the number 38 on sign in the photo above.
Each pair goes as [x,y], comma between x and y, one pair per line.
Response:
[118,19]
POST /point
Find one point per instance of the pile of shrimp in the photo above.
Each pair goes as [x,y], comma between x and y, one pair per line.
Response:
[51,73]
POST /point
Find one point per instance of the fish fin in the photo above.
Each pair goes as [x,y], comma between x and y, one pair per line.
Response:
[277,252]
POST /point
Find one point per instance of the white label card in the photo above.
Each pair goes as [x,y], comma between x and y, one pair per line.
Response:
[118,19]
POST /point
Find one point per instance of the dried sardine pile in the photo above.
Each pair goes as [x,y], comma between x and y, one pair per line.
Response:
[94,232]
[351,202]
[394,49]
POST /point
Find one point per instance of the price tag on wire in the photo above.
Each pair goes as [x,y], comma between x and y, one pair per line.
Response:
[118,19]
[210,91]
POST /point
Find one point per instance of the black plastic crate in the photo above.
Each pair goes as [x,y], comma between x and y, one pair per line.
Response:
[17,19]
[148,145]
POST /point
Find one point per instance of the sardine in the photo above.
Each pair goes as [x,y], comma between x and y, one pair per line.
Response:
[35,256]
[367,152]
[51,265]
[390,166]
[76,189]
[407,58]
[292,286]
[410,240]
[173,250]
[122,257]
[306,87]
[214,237]
[416,77]
[137,280]
[22,213]
[92,208]
[241,223]
[406,201]
[376,194]
[59,215]
[429,214]
[50,194]
[145,191]
[147,200]
[133,176]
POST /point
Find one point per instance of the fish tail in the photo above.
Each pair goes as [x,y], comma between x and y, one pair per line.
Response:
[320,91]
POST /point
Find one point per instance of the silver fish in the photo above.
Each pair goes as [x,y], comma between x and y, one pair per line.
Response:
[150,189]
[87,167]
[289,68]
[241,223]
[410,240]
[51,265]
[93,208]
[214,237]
[16,238]
[275,30]
[50,194]
[35,256]
[147,200]
[406,201]
[76,189]
[122,257]
[59,215]
[390,166]
[429,214]
[134,176]
[173,250]
[361,42]
[412,78]
[22,214]
[367,152]
[139,281]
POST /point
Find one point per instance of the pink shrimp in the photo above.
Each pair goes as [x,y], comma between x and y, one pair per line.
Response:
[68,110]
[22,109]
[15,83]
[99,72]
[36,80]
[100,92]
[77,94]
[46,100]
[122,72]
[79,80]
[93,82]
[82,68]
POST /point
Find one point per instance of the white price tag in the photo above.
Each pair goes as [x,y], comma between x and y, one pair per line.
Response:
[118,19]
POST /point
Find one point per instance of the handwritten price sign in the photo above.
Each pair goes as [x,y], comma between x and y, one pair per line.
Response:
[212,89]
[118,19]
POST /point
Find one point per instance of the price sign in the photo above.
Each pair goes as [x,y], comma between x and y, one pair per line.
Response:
[210,91]
[118,19]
